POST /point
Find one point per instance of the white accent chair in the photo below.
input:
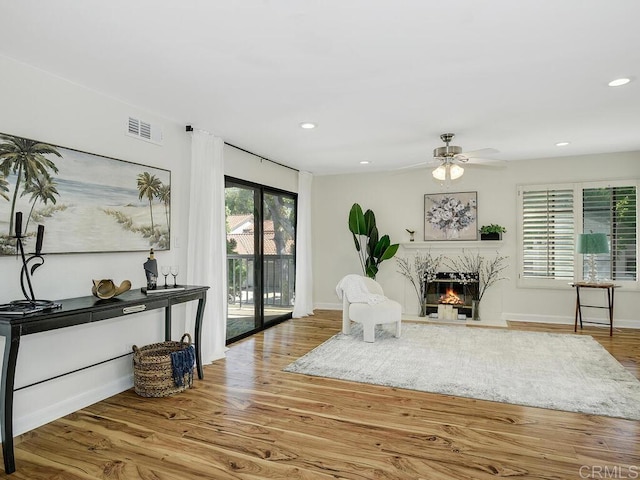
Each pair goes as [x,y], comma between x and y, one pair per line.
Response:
[370,315]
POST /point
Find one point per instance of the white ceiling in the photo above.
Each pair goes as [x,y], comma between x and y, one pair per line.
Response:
[382,79]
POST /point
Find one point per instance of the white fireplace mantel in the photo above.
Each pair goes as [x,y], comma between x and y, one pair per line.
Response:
[491,304]
[454,245]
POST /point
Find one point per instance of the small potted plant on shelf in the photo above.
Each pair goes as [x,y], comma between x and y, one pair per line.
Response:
[492,232]
[411,234]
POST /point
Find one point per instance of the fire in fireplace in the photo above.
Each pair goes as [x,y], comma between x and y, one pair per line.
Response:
[450,298]
[452,288]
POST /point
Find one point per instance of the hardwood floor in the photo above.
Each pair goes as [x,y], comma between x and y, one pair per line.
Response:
[250,420]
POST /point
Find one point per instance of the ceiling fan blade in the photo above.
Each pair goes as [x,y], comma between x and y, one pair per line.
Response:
[486,162]
[415,165]
[428,163]
[460,158]
[480,153]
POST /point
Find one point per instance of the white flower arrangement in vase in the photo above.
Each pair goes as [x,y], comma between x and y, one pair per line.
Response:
[420,273]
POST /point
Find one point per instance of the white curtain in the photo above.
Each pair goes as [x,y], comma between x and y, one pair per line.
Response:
[207,251]
[304,273]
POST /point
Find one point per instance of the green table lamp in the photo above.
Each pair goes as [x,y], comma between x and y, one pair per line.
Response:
[591,244]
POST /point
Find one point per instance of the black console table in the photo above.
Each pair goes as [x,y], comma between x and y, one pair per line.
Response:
[79,311]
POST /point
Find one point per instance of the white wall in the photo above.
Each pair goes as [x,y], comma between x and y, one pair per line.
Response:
[40,106]
[397,199]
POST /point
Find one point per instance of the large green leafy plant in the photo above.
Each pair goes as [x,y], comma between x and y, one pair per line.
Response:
[372,249]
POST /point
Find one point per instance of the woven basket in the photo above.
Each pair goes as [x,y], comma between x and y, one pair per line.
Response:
[153,372]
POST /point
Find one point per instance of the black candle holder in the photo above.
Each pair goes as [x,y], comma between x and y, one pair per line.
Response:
[27,271]
[29,266]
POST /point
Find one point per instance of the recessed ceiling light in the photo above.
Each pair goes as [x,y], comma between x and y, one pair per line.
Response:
[307,125]
[562,144]
[365,162]
[619,82]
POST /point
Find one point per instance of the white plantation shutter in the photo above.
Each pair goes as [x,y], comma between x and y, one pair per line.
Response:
[613,210]
[552,216]
[547,233]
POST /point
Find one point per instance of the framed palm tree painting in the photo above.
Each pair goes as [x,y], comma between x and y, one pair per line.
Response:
[86,202]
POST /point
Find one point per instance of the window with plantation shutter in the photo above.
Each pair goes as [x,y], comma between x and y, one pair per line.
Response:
[547,233]
[613,211]
[552,216]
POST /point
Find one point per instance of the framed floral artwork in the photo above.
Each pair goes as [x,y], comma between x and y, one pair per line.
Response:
[451,216]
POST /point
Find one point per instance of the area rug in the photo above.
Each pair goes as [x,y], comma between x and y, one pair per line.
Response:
[557,371]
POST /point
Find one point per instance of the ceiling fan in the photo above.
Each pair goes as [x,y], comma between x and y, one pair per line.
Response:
[451,159]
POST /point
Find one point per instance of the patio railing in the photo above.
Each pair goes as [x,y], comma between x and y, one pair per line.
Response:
[278,279]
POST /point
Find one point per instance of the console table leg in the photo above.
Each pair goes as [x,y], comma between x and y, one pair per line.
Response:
[198,334]
[12,342]
[610,299]
[578,311]
[167,323]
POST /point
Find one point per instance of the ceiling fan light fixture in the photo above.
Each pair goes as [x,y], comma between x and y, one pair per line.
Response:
[450,171]
[450,158]
[455,171]
[440,173]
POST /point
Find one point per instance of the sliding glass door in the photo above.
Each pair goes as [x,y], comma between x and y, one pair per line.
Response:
[260,256]
[278,241]
[240,201]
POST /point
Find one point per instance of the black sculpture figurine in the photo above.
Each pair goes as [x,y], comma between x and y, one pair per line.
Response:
[151,271]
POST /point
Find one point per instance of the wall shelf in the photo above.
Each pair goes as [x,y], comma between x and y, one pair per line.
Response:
[454,244]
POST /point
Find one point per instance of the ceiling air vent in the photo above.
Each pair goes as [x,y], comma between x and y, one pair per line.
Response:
[144,131]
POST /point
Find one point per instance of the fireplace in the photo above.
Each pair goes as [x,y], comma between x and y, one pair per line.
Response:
[457,289]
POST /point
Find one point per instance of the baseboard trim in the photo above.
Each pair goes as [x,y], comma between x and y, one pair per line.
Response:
[218,354]
[523,317]
[567,320]
[43,416]
[327,306]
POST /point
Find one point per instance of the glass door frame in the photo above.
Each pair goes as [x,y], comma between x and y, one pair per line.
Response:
[259,257]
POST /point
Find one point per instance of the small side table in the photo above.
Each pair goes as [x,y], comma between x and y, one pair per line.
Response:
[610,287]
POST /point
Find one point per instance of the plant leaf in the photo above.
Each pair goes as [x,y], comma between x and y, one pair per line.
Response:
[373,240]
[372,271]
[381,246]
[370,221]
[357,224]
[355,240]
[390,252]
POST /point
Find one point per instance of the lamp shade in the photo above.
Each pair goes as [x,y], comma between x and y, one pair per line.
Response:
[452,170]
[440,173]
[455,171]
[590,243]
